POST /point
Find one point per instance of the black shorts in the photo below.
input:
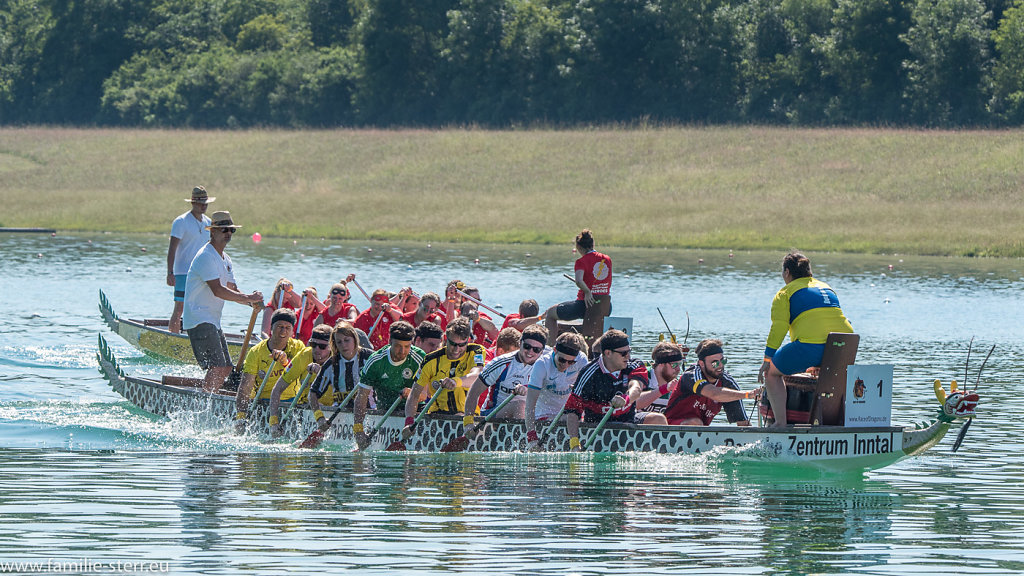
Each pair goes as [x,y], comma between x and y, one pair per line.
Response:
[571,310]
[575,309]
[209,346]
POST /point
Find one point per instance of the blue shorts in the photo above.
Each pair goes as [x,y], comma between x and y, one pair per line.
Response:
[179,287]
[797,357]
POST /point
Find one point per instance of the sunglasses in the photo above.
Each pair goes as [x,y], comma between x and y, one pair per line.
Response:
[529,348]
[339,292]
[227,230]
[564,360]
[718,363]
[455,344]
[319,345]
[624,354]
[676,365]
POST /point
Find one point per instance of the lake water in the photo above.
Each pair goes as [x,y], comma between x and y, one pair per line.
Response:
[89,484]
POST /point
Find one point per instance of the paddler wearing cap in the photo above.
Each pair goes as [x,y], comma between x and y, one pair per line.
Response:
[705,388]
[613,382]
[189,233]
[209,282]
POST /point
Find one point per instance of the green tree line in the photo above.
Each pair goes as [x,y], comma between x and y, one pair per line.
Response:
[498,63]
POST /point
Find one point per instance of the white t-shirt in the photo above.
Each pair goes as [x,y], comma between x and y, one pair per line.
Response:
[200,303]
[506,372]
[192,235]
[554,386]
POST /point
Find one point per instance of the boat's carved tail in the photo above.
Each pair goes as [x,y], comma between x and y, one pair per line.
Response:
[109,316]
[108,364]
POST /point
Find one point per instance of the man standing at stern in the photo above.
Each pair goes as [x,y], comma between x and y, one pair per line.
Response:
[209,282]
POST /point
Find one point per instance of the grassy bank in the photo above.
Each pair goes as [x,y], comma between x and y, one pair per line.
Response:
[886,191]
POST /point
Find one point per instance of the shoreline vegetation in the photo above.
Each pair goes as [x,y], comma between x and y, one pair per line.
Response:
[885,191]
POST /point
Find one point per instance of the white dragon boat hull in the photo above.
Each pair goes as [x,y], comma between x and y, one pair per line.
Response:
[830,447]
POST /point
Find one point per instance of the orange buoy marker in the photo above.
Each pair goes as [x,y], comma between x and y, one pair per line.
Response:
[257,237]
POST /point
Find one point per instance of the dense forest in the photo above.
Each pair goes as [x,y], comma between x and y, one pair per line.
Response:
[501,63]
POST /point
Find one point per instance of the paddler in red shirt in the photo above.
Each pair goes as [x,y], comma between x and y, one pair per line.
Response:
[379,308]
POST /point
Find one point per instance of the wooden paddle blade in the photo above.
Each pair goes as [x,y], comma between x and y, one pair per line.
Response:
[313,440]
[396,446]
[457,445]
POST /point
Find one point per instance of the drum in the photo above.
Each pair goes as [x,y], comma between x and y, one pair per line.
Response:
[800,389]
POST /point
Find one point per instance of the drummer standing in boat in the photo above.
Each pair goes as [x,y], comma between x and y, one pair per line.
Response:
[189,233]
[209,282]
[809,309]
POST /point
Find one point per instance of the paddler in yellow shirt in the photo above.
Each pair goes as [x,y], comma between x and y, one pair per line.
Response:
[279,349]
[454,367]
[309,361]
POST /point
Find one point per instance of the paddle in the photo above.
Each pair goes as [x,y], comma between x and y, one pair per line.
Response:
[375,322]
[266,378]
[240,423]
[398,445]
[600,425]
[670,333]
[368,299]
[302,312]
[573,280]
[460,286]
[317,436]
[462,442]
[236,374]
[380,424]
[295,399]
[547,431]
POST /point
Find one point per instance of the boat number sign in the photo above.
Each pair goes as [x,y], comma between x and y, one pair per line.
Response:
[868,395]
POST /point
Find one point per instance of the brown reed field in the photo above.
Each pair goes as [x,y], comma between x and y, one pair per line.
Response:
[848,190]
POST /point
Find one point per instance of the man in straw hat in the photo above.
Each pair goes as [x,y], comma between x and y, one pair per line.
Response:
[211,281]
[189,233]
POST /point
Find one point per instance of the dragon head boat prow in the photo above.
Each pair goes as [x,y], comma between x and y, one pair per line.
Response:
[956,403]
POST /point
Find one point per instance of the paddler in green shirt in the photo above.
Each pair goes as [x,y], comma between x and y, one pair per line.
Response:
[387,373]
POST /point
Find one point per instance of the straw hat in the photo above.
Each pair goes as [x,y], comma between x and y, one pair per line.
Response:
[222,219]
[199,195]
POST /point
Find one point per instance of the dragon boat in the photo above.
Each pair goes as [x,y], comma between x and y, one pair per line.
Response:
[152,336]
[822,446]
